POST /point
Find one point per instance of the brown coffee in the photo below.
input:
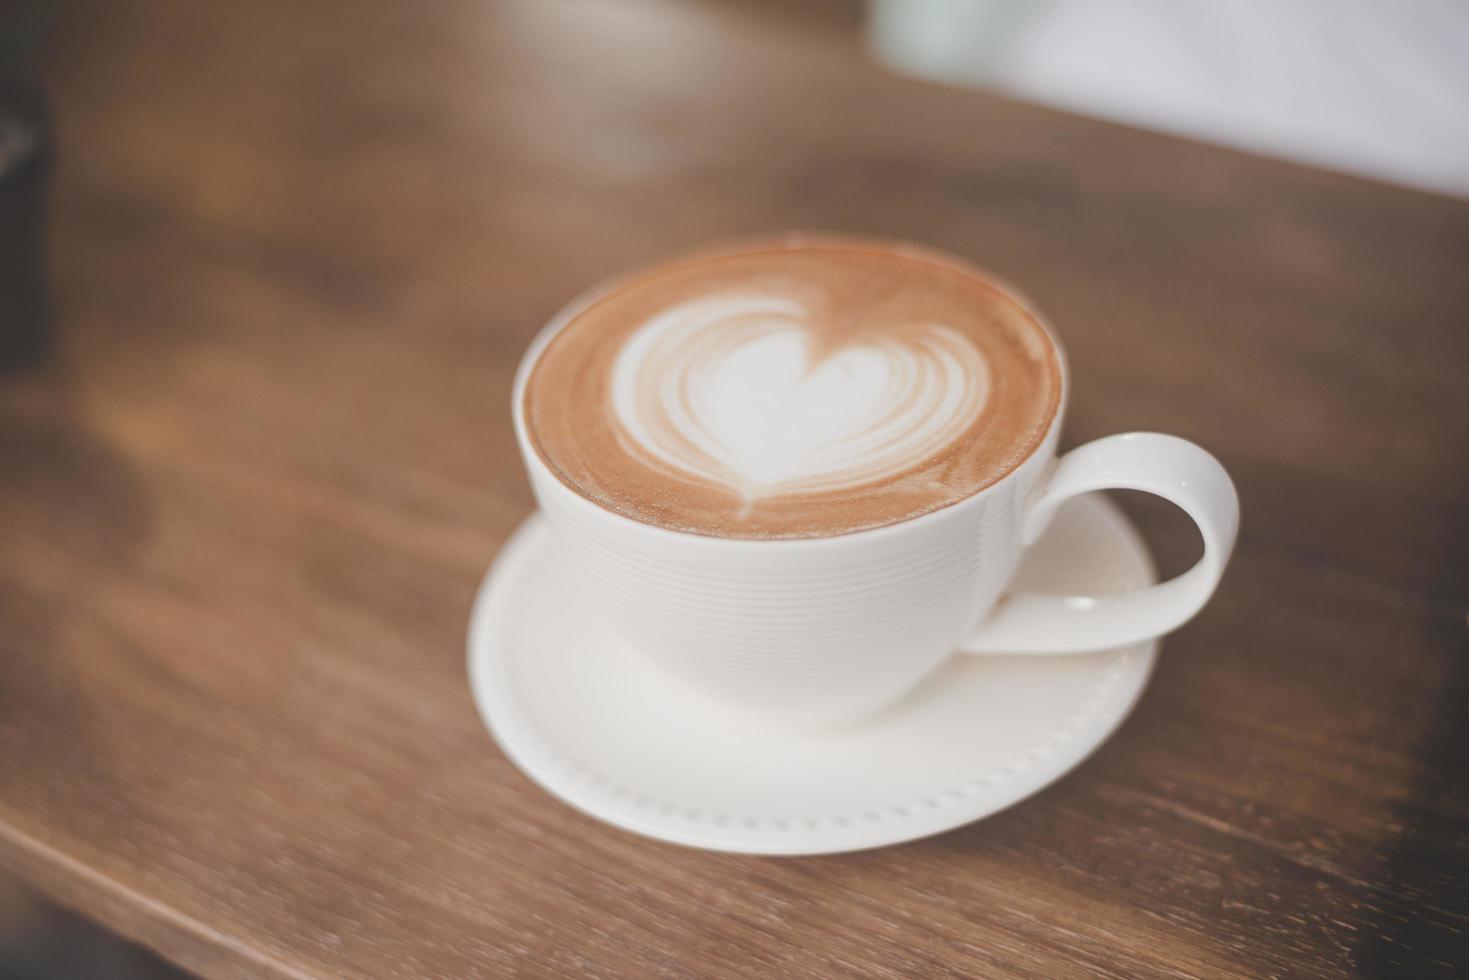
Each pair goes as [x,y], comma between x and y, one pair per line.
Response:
[799,387]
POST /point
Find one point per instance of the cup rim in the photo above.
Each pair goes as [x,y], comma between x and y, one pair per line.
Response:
[734,246]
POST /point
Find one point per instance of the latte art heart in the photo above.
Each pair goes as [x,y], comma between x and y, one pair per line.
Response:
[800,386]
[737,389]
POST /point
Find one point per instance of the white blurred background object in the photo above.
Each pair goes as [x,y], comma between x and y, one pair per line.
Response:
[1374,87]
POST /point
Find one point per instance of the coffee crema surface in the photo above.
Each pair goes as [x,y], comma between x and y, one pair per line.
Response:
[801,387]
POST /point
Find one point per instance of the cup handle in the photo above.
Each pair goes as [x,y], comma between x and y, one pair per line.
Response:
[1174,469]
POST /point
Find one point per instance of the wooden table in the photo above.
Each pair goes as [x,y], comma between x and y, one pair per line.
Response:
[244,511]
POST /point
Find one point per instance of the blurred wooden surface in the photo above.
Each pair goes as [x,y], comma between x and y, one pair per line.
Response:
[243,512]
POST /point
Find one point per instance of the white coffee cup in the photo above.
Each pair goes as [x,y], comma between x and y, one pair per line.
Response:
[830,628]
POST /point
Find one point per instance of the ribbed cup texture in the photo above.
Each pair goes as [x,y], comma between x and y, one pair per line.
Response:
[793,627]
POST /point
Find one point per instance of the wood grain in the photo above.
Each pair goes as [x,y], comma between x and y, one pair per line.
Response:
[244,510]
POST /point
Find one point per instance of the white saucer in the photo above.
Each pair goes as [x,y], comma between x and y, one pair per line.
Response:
[583,715]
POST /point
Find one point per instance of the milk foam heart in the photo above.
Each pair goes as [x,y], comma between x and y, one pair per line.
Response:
[734,389]
[798,387]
